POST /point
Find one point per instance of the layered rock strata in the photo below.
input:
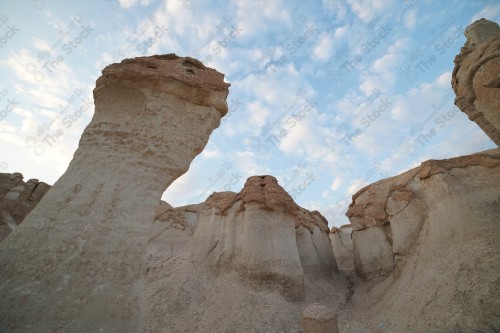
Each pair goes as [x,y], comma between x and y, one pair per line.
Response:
[17,199]
[76,262]
[255,255]
[476,77]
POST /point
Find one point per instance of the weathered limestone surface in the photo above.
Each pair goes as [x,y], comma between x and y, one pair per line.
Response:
[434,230]
[371,251]
[76,262]
[476,77]
[341,241]
[17,199]
[255,252]
[318,318]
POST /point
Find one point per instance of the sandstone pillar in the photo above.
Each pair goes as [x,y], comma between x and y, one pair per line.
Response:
[75,263]
[318,318]
[476,77]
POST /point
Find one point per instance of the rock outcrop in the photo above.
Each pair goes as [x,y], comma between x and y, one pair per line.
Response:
[17,199]
[255,255]
[341,241]
[427,240]
[318,318]
[476,77]
[76,261]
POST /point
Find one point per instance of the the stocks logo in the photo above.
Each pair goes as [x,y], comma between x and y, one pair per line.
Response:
[51,63]
[9,33]
[144,46]
[38,4]
[272,133]
[50,137]
[11,104]
[288,44]
[217,46]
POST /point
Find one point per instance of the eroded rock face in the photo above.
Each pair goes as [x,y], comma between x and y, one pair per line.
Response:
[476,76]
[76,262]
[433,230]
[341,241]
[17,199]
[255,253]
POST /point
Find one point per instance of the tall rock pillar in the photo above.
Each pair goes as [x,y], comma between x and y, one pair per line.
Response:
[76,262]
[476,77]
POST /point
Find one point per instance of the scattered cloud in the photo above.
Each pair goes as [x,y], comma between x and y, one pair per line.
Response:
[324,47]
[336,184]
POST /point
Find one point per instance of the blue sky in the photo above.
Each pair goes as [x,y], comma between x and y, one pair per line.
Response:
[327,96]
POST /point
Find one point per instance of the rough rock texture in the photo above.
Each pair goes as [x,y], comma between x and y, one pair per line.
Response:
[255,255]
[318,318]
[76,262]
[341,241]
[476,76]
[427,241]
[17,199]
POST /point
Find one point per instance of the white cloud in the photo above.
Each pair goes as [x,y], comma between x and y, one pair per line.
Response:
[245,160]
[385,63]
[258,113]
[367,9]
[323,49]
[336,184]
[132,3]
[490,12]
[210,153]
[443,80]
[253,17]
[341,31]
[355,186]
[410,18]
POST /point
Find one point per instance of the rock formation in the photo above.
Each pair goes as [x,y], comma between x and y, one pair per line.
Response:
[76,262]
[341,241]
[476,77]
[426,241]
[101,253]
[255,255]
[17,199]
[318,318]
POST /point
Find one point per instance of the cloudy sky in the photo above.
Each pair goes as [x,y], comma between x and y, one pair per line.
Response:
[327,96]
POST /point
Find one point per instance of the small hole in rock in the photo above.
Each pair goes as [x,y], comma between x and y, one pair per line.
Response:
[153,67]
[262,185]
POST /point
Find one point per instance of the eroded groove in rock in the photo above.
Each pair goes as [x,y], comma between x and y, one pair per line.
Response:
[76,262]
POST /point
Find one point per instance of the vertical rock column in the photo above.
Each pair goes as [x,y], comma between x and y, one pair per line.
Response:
[476,77]
[75,263]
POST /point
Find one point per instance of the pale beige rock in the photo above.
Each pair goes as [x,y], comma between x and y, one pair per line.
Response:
[476,77]
[480,31]
[318,318]
[372,251]
[440,220]
[255,254]
[162,207]
[17,199]
[341,241]
[76,262]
